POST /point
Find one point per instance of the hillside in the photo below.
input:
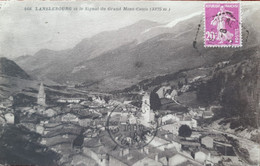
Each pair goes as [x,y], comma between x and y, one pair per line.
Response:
[232,84]
[10,68]
[12,78]
[122,58]
[48,63]
[236,88]
[169,51]
[118,55]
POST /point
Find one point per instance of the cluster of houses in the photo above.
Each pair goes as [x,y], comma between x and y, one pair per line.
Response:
[167,148]
[162,152]
[201,112]
[96,99]
[172,122]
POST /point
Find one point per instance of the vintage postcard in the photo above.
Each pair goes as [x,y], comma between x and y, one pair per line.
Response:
[129,83]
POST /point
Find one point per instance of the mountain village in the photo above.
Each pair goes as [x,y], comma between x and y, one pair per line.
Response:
[142,91]
[76,129]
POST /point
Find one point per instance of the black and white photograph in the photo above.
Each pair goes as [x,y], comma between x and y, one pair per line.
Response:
[129,83]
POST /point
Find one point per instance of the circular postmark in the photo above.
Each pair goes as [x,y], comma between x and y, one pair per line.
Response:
[128,127]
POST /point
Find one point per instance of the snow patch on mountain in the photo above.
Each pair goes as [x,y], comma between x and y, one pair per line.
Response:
[175,22]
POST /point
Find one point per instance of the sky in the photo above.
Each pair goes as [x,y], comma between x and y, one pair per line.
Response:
[26,32]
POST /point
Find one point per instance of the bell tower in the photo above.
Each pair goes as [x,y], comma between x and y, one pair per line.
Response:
[41,98]
[147,113]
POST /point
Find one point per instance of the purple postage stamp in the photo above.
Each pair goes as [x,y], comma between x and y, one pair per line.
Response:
[222,25]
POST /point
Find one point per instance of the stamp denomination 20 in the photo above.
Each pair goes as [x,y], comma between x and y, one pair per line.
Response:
[222,25]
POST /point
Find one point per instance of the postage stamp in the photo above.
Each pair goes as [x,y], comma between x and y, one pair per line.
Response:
[222,23]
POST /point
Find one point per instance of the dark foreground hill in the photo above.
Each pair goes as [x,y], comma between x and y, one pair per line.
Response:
[10,68]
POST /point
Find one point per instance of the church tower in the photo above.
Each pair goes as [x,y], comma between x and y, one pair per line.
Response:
[147,113]
[41,98]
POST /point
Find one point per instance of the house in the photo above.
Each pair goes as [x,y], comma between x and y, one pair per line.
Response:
[70,100]
[9,117]
[115,162]
[162,143]
[207,142]
[40,109]
[132,119]
[202,108]
[169,157]
[170,117]
[8,102]
[208,157]
[208,114]
[177,159]
[99,154]
[172,128]
[31,110]
[225,149]
[185,88]
[215,107]
[39,129]
[162,91]
[232,160]
[69,118]
[50,112]
[200,156]
[192,123]
[2,120]
[43,142]
[213,159]
[99,100]
[82,160]
[30,126]
[147,162]
[62,101]
[85,122]
[173,94]
[186,143]
[123,120]
[127,102]
[199,114]
[195,135]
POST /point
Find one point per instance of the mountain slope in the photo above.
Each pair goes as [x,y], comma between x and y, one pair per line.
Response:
[10,68]
[236,88]
[13,78]
[47,61]
[119,59]
[125,61]
[133,62]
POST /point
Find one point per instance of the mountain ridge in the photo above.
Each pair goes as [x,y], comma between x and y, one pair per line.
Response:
[119,65]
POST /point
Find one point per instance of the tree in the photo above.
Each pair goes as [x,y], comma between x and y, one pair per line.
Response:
[106,98]
[155,102]
[185,131]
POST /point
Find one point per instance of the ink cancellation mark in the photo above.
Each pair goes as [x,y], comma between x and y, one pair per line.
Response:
[131,127]
[222,25]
